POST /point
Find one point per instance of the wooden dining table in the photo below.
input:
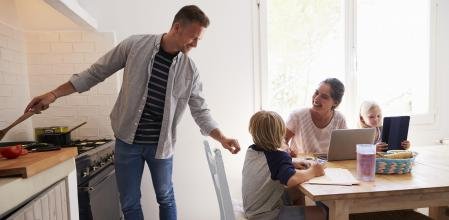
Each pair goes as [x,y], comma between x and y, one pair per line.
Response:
[427,185]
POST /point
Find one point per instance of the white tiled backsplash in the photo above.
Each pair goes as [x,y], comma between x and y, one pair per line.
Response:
[37,62]
[14,87]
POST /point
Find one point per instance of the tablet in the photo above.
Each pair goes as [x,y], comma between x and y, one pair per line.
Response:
[394,131]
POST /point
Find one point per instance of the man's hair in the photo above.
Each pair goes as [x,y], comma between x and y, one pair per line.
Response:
[267,129]
[189,14]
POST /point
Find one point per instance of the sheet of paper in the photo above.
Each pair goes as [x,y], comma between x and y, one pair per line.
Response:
[335,176]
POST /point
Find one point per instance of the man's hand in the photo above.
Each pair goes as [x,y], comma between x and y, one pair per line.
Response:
[41,102]
[232,145]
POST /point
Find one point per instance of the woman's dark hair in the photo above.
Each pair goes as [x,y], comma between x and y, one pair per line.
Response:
[338,90]
[189,14]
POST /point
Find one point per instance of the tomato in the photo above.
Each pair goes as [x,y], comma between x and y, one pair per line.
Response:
[12,151]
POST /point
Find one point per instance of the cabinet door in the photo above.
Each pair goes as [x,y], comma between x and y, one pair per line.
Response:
[51,204]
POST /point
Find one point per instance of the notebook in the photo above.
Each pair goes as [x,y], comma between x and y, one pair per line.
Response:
[394,131]
[335,176]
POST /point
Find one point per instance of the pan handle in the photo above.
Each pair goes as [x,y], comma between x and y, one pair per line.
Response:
[76,127]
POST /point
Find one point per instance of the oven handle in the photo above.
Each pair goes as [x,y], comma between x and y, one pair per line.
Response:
[92,188]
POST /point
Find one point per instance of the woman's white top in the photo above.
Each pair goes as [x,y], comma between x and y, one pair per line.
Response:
[308,137]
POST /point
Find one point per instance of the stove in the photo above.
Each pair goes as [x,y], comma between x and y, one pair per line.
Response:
[98,196]
[93,156]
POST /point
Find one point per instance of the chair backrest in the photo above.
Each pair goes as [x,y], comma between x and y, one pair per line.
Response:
[218,173]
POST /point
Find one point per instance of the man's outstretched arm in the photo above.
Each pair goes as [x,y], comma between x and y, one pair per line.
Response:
[228,143]
[42,102]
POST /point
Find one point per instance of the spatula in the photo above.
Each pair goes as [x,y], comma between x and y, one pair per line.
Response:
[18,121]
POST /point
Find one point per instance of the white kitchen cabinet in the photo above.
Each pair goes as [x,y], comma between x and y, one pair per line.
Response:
[50,204]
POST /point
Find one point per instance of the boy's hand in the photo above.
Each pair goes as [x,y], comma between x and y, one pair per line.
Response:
[380,147]
[301,164]
[317,169]
[405,145]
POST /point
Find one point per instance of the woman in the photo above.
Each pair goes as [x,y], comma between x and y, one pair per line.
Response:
[310,128]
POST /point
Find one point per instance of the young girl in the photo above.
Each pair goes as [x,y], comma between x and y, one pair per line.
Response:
[371,117]
[268,171]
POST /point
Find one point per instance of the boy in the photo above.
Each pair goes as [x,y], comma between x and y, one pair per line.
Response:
[268,170]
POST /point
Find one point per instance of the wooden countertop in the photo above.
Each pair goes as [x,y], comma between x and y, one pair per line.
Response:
[35,162]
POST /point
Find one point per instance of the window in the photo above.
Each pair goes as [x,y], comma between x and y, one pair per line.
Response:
[380,49]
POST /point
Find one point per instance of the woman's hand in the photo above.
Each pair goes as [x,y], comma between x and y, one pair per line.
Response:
[405,145]
[292,151]
[380,147]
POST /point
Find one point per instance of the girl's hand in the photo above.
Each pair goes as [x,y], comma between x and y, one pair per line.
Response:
[381,147]
[405,145]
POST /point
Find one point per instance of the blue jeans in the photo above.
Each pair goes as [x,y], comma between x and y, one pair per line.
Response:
[129,163]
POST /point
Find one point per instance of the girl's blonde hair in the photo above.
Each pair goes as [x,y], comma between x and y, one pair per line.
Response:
[267,129]
[365,107]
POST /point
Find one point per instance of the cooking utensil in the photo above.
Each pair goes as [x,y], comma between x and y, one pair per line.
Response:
[59,139]
[22,118]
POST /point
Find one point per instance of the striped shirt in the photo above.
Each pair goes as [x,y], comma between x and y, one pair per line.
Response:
[135,55]
[150,123]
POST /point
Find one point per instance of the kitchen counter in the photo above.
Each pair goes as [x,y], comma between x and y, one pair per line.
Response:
[16,191]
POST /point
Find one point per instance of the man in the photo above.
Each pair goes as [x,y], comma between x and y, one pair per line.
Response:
[159,81]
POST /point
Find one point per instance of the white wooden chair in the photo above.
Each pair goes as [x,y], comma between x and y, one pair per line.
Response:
[229,210]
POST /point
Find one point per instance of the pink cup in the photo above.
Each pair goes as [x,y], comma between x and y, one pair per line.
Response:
[366,162]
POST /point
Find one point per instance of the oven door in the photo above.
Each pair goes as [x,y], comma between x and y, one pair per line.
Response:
[98,198]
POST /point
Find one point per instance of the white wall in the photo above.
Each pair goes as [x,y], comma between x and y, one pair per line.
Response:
[53,56]
[14,92]
[224,58]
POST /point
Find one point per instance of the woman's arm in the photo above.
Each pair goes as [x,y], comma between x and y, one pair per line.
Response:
[288,136]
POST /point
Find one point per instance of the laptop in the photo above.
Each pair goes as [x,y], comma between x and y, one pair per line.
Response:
[394,131]
[343,143]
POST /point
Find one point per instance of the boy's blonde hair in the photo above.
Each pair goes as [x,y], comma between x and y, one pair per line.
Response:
[267,129]
[365,107]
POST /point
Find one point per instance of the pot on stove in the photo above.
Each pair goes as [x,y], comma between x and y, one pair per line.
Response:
[58,138]
[49,130]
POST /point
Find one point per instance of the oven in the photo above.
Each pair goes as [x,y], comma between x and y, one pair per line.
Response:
[98,196]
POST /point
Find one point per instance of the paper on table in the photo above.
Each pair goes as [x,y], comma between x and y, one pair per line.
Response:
[335,176]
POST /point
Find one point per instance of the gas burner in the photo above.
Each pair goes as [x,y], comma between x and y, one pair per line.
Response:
[86,144]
